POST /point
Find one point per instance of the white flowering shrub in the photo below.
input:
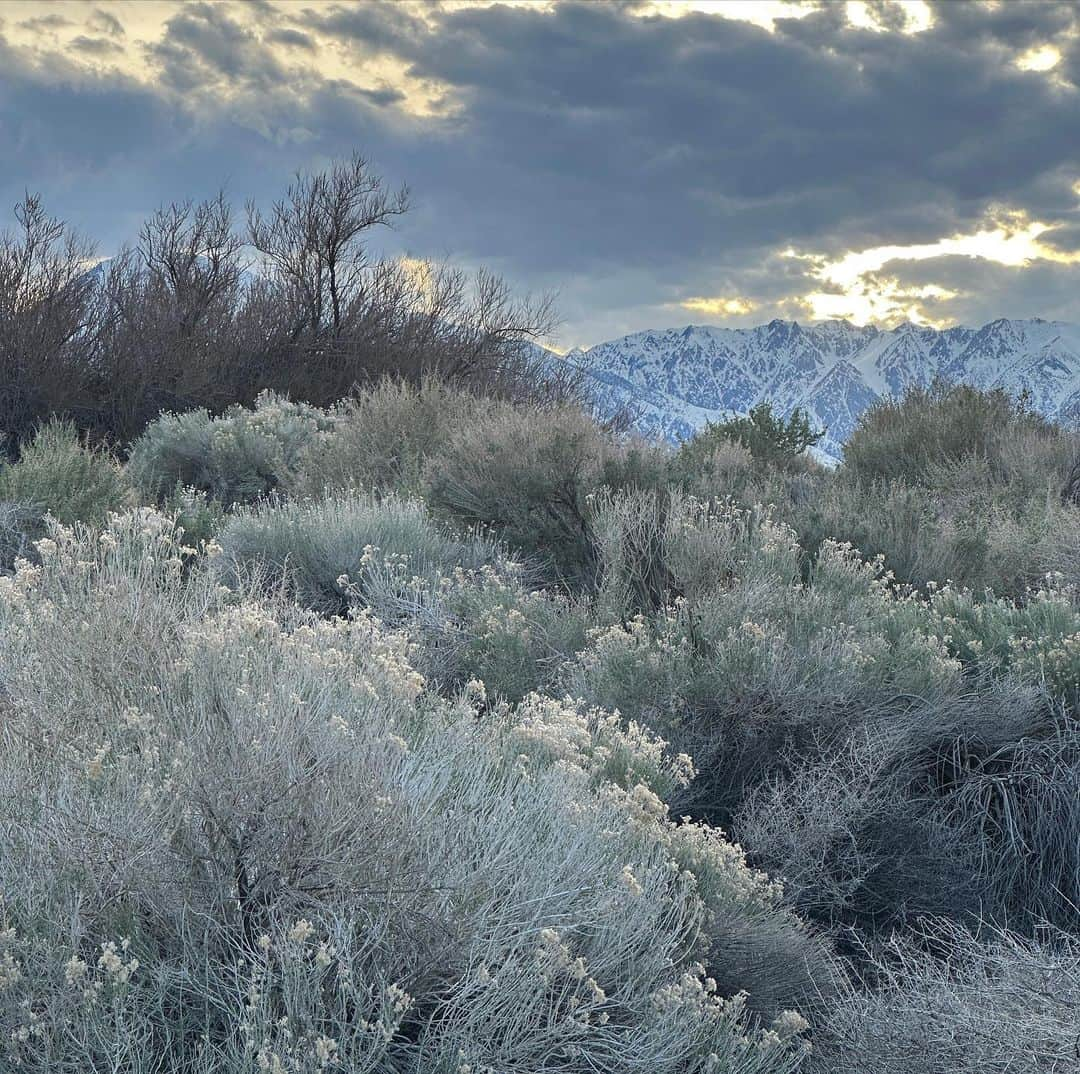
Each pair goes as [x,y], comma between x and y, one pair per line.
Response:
[246,838]
[21,524]
[748,660]
[495,628]
[235,458]
[1036,640]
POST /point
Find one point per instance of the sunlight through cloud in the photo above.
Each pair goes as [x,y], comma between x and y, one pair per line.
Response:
[1042,58]
[858,291]
[719,307]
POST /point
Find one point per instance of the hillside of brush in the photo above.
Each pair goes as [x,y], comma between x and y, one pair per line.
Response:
[440,730]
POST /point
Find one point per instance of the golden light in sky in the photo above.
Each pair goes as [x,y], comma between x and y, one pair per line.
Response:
[860,293]
[718,307]
[1042,58]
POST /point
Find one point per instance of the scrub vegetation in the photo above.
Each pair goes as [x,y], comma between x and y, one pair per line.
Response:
[441,728]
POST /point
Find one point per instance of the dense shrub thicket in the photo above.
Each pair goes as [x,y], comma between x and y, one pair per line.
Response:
[205,311]
[404,735]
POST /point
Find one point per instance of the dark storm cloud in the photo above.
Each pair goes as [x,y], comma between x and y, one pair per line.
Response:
[629,162]
[203,44]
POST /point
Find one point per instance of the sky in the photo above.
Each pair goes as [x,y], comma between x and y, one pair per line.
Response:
[653,163]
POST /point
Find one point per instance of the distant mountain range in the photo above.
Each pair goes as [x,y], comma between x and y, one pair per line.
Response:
[677,379]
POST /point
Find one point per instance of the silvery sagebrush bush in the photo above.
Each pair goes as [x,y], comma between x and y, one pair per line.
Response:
[467,603]
[237,457]
[237,836]
[526,475]
[382,437]
[351,547]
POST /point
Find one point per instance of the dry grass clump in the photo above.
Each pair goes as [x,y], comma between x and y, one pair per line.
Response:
[1000,1005]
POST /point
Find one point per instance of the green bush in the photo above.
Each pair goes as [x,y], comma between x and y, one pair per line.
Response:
[235,458]
[60,475]
[920,436]
[769,437]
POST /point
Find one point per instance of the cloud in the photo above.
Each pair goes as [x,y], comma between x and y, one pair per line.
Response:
[645,166]
[103,23]
[45,23]
[286,35]
[719,306]
[95,46]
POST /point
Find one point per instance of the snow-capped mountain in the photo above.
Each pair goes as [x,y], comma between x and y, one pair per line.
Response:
[677,379]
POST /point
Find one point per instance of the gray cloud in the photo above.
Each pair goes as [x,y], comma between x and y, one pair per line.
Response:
[628,162]
[94,46]
[103,23]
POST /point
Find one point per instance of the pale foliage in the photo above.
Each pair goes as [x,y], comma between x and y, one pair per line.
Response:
[246,838]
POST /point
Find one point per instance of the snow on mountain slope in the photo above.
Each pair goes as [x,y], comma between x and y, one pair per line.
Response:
[675,380]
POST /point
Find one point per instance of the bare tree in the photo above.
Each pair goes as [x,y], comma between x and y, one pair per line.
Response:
[314,239]
[193,253]
[46,319]
[174,323]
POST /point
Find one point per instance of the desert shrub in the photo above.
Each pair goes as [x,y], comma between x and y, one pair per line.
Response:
[384,436]
[896,521]
[235,458]
[879,830]
[953,484]
[352,549]
[198,516]
[747,660]
[929,430]
[20,526]
[528,476]
[768,436]
[723,469]
[970,520]
[1036,640]
[275,850]
[1000,1005]
[467,606]
[489,626]
[61,475]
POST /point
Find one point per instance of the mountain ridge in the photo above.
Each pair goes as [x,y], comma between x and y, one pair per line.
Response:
[676,379]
